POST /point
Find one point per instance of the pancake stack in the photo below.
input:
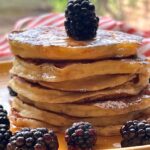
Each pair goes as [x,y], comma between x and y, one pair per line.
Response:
[60,81]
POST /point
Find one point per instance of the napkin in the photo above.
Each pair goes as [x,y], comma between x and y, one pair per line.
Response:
[55,19]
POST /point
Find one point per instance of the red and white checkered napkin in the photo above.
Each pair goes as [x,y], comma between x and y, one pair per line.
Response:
[53,19]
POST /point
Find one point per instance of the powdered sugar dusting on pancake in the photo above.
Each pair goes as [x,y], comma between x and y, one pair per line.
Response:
[54,36]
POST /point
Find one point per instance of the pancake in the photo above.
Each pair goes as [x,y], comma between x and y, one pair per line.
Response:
[25,110]
[60,81]
[38,93]
[49,72]
[111,107]
[54,44]
[94,83]
[21,122]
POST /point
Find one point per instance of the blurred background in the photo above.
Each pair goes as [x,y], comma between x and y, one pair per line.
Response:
[134,12]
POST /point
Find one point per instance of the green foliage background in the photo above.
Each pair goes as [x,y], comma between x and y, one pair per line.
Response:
[103,7]
[58,5]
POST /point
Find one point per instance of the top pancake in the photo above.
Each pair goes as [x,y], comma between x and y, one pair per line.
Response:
[53,43]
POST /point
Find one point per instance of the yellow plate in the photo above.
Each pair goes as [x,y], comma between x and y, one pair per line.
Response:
[103,143]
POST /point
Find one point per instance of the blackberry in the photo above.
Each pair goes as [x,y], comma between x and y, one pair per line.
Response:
[81,21]
[135,133]
[12,92]
[4,121]
[4,138]
[81,136]
[33,139]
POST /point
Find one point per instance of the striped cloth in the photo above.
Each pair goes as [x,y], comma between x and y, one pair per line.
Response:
[53,19]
